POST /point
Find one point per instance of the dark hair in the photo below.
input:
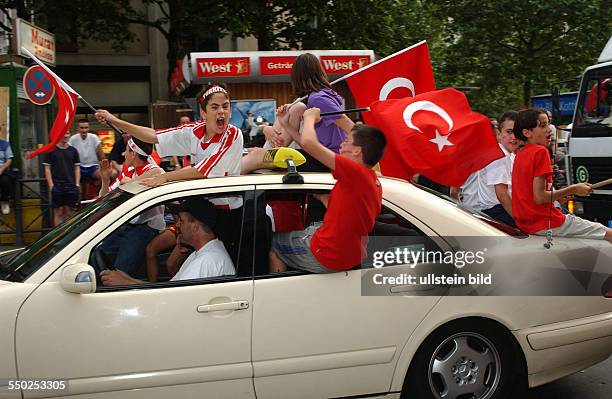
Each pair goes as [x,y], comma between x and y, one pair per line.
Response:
[307,75]
[146,147]
[507,116]
[526,119]
[83,120]
[204,100]
[372,142]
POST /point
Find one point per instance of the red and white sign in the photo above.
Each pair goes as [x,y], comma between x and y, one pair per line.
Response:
[38,41]
[37,86]
[342,64]
[217,67]
[269,66]
[276,65]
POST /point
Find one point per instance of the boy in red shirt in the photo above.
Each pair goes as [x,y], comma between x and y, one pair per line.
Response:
[353,204]
[532,194]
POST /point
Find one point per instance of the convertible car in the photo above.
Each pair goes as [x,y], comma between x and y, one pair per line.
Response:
[293,334]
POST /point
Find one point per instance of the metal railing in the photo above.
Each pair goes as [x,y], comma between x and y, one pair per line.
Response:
[26,189]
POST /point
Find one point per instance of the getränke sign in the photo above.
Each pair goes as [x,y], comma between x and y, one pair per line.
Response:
[271,66]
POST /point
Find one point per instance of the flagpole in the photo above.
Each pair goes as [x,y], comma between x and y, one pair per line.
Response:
[66,86]
[346,111]
[348,75]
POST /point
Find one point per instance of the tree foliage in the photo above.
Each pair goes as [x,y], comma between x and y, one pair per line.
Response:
[511,49]
[515,48]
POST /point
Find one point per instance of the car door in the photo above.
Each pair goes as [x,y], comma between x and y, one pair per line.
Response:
[317,333]
[158,340]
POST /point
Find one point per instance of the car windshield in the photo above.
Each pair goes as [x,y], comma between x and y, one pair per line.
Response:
[18,265]
[594,117]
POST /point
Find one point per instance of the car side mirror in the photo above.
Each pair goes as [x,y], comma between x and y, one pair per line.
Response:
[78,278]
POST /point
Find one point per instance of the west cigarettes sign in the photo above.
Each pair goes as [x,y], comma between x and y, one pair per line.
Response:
[219,67]
[335,65]
[270,66]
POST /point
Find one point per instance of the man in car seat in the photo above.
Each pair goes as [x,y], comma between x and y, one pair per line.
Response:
[195,225]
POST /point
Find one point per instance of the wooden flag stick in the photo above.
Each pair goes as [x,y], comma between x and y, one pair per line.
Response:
[602,183]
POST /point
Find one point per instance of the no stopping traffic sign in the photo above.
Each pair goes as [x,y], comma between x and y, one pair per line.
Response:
[37,86]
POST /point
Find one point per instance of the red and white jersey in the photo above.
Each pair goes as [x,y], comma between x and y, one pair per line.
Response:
[153,217]
[220,156]
[129,171]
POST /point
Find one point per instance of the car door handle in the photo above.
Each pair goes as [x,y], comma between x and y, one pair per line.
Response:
[218,307]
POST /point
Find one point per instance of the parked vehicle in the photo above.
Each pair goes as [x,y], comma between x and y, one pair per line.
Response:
[590,142]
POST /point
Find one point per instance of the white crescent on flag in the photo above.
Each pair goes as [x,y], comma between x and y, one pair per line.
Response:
[393,84]
[425,106]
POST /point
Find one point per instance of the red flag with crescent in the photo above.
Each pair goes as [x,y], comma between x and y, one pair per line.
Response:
[67,99]
[435,134]
[67,103]
[406,73]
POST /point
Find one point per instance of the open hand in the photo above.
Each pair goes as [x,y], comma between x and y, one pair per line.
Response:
[273,135]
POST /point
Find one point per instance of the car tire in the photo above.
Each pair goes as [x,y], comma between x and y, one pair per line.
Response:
[466,359]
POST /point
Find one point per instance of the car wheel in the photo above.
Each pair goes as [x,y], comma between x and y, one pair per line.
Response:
[468,359]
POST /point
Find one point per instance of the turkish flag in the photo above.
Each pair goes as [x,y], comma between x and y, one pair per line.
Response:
[67,103]
[435,134]
[67,99]
[403,74]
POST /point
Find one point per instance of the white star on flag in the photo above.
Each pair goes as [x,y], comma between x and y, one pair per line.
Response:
[441,140]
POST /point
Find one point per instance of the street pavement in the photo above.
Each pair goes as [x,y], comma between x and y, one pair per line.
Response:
[592,383]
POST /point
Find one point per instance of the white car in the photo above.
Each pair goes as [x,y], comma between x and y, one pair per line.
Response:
[289,334]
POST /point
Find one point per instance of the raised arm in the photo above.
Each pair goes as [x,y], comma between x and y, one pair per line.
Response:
[310,142]
[345,123]
[143,133]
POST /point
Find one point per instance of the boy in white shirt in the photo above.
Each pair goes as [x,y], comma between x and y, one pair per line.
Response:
[489,190]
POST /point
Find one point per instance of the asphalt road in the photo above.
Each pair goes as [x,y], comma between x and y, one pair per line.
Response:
[592,383]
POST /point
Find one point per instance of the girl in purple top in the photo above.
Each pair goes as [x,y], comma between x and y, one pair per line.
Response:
[307,79]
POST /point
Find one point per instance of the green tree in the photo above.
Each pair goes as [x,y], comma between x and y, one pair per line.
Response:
[76,21]
[512,49]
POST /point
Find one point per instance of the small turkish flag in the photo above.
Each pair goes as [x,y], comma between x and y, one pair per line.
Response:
[435,134]
[403,74]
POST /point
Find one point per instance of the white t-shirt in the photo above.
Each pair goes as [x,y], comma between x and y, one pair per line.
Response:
[479,189]
[212,260]
[86,148]
[220,156]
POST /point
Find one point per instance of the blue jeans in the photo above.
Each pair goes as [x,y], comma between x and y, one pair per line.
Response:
[125,248]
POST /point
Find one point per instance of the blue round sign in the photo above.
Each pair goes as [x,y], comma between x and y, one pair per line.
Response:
[37,86]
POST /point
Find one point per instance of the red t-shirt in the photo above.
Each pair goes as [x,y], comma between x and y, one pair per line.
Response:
[532,161]
[340,243]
